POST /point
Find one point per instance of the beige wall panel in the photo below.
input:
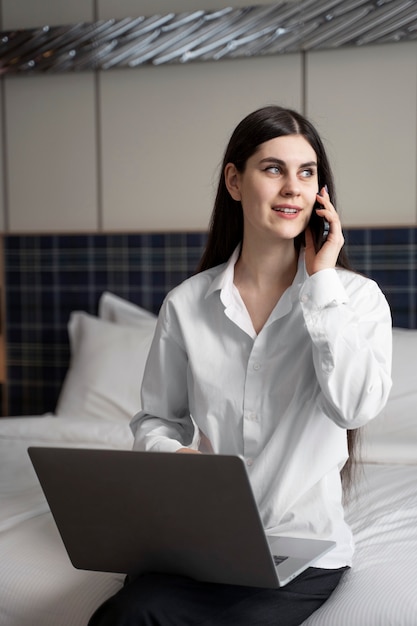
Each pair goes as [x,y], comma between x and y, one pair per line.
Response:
[165,130]
[51,152]
[364,100]
[33,13]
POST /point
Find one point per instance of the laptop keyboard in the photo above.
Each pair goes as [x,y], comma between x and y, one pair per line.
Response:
[279,559]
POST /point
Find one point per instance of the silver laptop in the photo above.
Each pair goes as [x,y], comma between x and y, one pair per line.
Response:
[195,515]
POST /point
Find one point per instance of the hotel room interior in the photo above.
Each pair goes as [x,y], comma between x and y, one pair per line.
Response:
[113,120]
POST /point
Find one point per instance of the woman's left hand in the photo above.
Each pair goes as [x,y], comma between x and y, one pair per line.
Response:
[326,257]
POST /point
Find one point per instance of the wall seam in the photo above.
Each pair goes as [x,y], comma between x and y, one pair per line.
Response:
[4,155]
[98,126]
[99,155]
[304,83]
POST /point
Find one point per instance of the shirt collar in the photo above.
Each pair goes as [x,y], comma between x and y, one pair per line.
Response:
[225,278]
[234,306]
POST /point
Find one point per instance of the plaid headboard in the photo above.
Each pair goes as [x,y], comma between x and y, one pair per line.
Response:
[48,276]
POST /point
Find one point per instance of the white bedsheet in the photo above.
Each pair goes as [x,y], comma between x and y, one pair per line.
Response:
[380,590]
[39,586]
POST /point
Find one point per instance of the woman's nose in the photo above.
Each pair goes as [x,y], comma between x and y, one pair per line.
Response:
[291,187]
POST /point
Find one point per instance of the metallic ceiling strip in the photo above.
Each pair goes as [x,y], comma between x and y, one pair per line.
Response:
[278,28]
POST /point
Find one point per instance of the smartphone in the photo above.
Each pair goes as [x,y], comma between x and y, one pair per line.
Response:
[326,225]
[326,229]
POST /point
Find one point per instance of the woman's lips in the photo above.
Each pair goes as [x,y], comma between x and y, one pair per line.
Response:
[287,211]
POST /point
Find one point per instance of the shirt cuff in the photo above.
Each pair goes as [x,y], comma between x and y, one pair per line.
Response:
[323,289]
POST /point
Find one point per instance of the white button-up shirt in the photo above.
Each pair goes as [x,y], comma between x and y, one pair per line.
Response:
[282,398]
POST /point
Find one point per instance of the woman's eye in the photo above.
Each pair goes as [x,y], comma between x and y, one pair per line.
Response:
[307,173]
[274,169]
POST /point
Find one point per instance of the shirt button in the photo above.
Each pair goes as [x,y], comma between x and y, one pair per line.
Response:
[249,462]
[305,298]
[256,366]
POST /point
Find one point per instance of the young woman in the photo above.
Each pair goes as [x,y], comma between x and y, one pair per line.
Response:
[275,351]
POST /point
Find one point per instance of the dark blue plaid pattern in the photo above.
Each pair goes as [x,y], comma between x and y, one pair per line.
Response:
[389,256]
[48,276]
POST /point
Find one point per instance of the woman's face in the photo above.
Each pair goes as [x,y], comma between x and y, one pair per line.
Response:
[278,187]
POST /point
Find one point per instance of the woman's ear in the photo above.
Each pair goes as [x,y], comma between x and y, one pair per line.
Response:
[232,180]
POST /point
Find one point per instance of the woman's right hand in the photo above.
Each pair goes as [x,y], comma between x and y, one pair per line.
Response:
[326,257]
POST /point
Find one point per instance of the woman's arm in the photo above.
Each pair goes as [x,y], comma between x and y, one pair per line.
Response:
[350,326]
[165,424]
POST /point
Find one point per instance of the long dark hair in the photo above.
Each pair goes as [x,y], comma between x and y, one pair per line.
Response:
[226,224]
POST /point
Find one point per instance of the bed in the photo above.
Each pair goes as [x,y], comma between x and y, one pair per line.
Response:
[80,314]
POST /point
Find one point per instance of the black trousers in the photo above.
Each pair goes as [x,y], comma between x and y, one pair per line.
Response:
[167,600]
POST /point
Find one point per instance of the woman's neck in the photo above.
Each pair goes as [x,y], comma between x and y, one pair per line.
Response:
[267,266]
[261,277]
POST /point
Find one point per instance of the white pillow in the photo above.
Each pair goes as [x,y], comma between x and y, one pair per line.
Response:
[392,436]
[106,368]
[114,309]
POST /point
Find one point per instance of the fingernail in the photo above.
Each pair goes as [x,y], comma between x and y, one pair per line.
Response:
[326,188]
